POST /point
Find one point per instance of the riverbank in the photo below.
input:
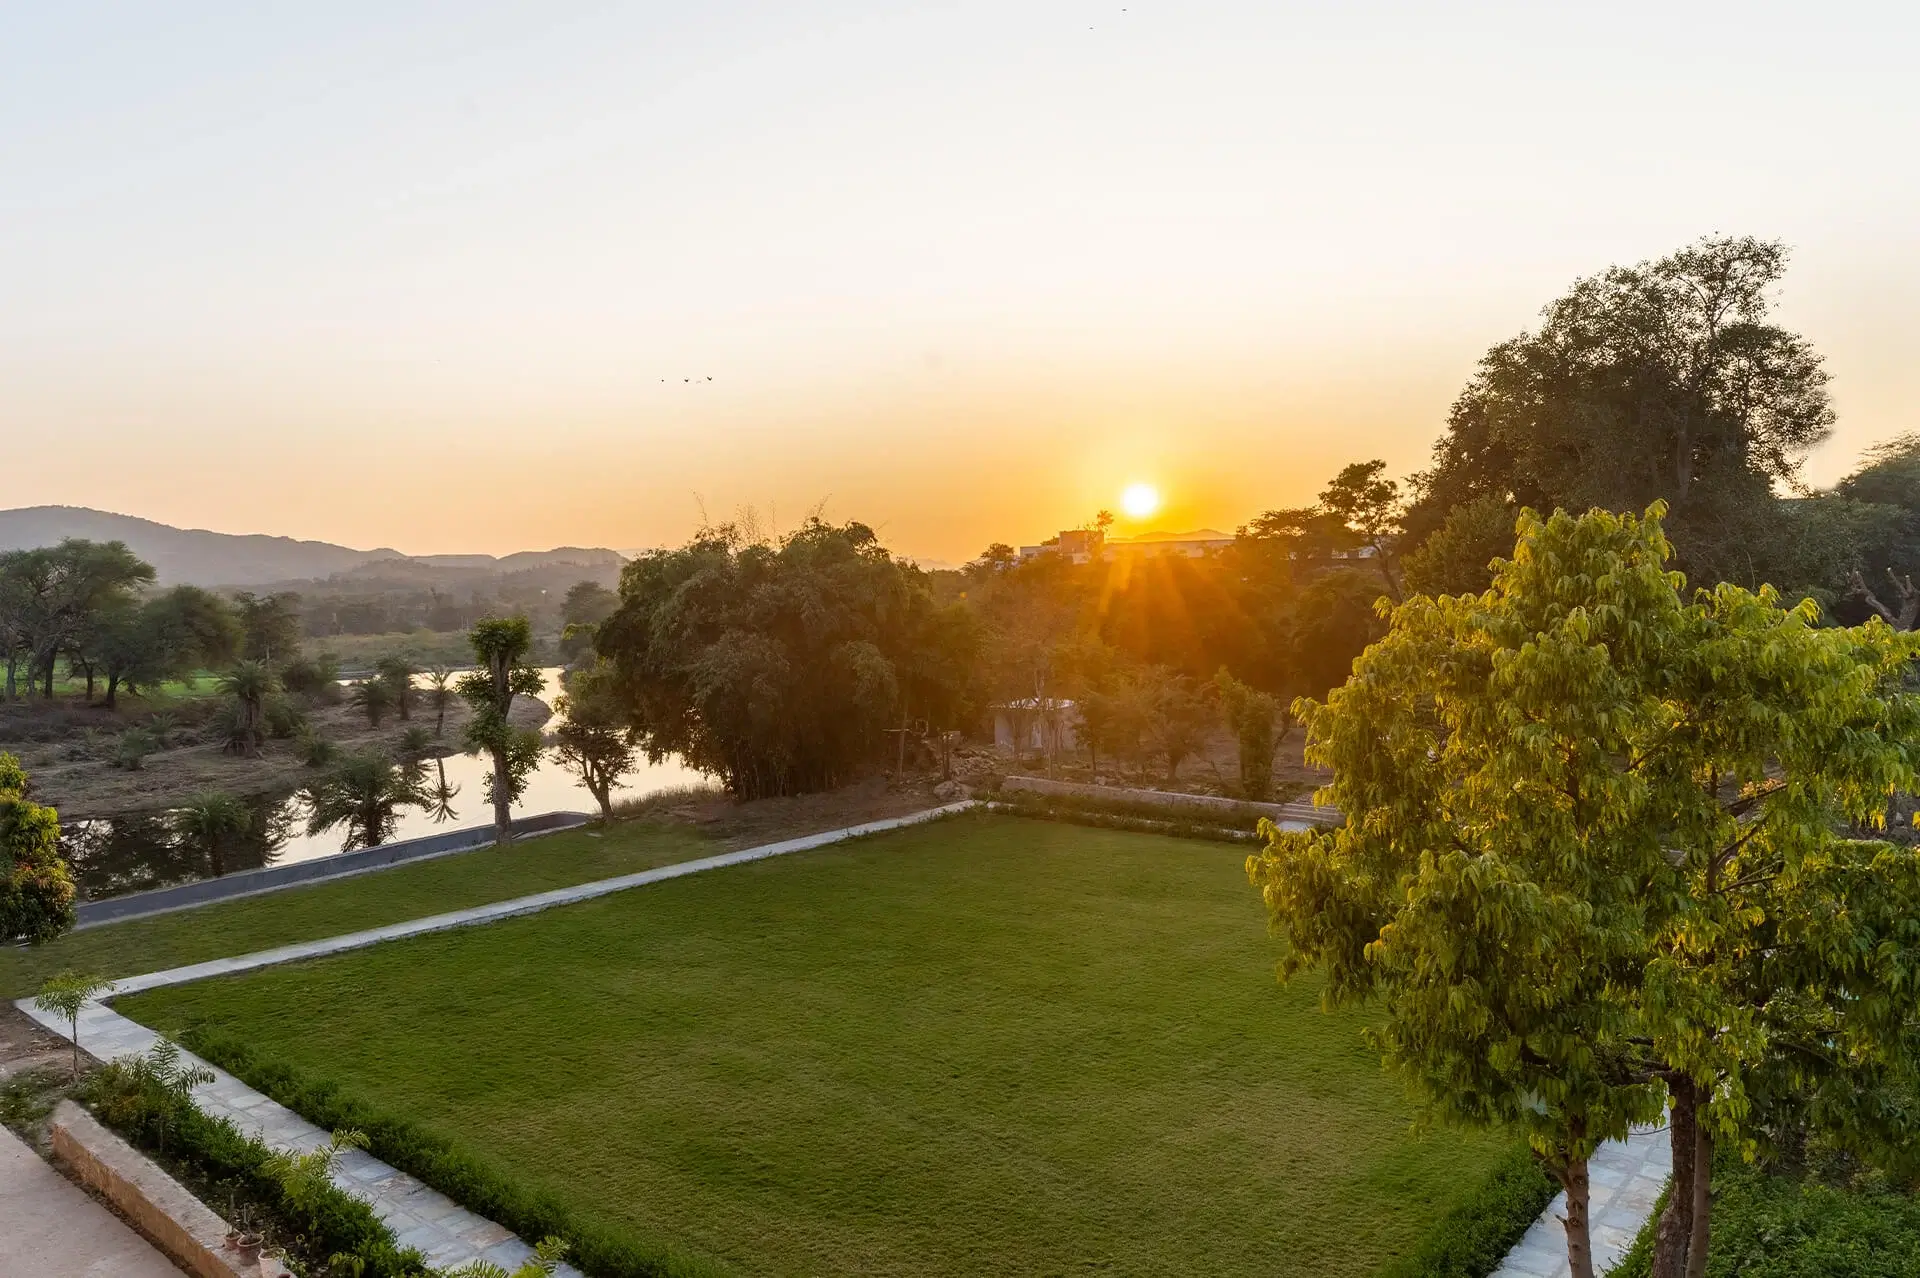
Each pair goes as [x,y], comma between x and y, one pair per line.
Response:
[67,774]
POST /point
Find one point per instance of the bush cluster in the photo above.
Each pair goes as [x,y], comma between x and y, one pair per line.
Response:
[596,1248]
[139,1106]
[1473,1238]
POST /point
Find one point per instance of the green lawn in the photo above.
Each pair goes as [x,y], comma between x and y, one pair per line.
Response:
[985,1046]
[349,905]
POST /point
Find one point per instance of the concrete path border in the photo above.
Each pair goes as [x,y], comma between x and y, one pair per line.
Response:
[446,1232]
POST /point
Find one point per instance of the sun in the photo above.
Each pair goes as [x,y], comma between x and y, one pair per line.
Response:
[1140,500]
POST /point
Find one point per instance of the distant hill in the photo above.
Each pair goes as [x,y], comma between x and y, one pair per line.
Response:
[194,556]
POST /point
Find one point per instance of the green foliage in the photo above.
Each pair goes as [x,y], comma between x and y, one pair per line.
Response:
[600,1250]
[372,697]
[1457,559]
[315,680]
[65,996]
[1591,858]
[131,751]
[1251,716]
[133,1098]
[364,793]
[777,666]
[1666,380]
[315,750]
[36,894]
[248,687]
[501,646]
[594,742]
[1178,717]
[397,674]
[588,603]
[1477,1235]
[306,1178]
[269,627]
[1768,1225]
[440,696]
[209,823]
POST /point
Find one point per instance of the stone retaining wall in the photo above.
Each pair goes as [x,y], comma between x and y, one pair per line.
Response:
[117,909]
[153,1202]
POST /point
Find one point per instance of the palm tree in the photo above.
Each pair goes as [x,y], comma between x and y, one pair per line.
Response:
[249,684]
[206,824]
[374,697]
[397,673]
[365,794]
[440,695]
[441,796]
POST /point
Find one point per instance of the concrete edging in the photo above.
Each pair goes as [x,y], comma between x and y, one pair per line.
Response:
[276,878]
[154,1203]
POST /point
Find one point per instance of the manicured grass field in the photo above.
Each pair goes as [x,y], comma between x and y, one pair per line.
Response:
[349,905]
[985,1046]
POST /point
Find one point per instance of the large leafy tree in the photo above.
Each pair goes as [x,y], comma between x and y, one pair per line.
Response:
[269,626]
[1594,862]
[778,665]
[501,648]
[36,892]
[1667,380]
[166,637]
[593,740]
[52,597]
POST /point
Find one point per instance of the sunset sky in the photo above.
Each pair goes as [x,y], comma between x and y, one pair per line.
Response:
[435,276]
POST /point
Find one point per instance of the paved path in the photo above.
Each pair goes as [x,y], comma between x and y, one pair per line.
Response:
[49,1227]
[447,1233]
[1624,1181]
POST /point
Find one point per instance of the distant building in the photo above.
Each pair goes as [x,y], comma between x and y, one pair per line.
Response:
[1084,545]
[1036,725]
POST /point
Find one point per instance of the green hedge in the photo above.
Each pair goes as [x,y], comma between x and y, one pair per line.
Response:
[1770,1226]
[597,1248]
[333,1222]
[1472,1239]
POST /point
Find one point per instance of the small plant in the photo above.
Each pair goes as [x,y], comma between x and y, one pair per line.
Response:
[373,698]
[163,724]
[315,750]
[306,1178]
[546,1259]
[167,1072]
[440,695]
[65,995]
[397,673]
[284,718]
[414,743]
[133,748]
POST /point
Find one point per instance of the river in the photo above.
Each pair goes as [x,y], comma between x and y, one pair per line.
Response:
[111,856]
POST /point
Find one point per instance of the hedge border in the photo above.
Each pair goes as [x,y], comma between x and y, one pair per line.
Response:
[336,1222]
[596,1248]
[1471,1240]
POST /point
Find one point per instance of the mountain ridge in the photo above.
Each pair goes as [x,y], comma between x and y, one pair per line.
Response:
[202,557]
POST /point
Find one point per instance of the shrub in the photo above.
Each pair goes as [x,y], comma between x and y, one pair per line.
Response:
[285,718]
[134,746]
[1471,1240]
[135,1099]
[315,750]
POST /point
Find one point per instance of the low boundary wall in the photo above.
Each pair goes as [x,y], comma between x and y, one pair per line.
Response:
[156,1204]
[1287,815]
[272,878]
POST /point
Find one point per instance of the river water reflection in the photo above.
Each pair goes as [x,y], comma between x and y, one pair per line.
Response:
[111,856]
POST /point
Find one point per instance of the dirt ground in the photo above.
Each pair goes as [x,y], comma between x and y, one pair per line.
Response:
[68,774]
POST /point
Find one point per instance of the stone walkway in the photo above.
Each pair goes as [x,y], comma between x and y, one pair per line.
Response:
[448,1234]
[50,1228]
[1624,1181]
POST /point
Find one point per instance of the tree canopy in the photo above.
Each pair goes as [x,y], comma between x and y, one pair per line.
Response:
[36,892]
[1598,859]
[776,665]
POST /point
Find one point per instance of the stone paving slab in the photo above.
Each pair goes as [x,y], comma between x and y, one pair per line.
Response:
[422,1217]
[1625,1179]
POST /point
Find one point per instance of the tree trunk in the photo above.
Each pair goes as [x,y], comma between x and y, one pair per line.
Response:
[113,691]
[1676,1222]
[89,670]
[1579,1232]
[1702,1199]
[13,664]
[502,806]
[604,793]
